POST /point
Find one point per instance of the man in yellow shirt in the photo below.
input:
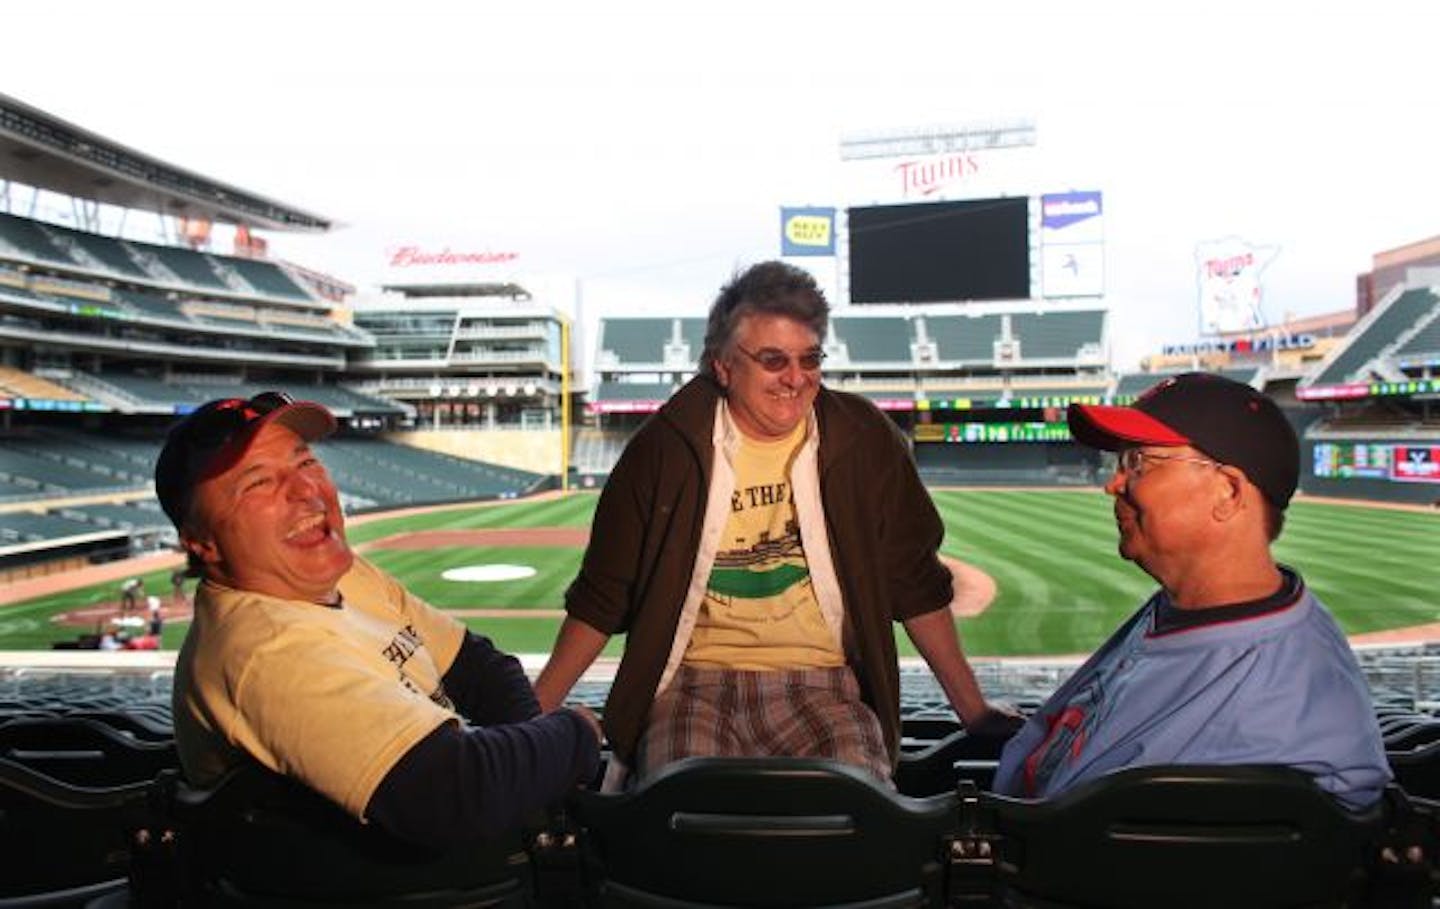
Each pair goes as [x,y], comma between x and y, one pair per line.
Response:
[316,664]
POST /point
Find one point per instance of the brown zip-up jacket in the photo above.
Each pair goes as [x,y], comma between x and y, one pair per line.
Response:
[884,535]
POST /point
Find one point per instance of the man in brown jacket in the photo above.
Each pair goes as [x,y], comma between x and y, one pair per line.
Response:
[755,543]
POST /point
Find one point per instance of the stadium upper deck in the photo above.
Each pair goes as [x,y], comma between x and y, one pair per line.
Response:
[104,339]
[465,354]
[119,325]
[939,360]
[40,149]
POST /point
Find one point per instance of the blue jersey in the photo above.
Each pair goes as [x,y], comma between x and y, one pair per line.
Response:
[1281,687]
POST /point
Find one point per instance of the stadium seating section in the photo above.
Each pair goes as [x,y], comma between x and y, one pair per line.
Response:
[636,340]
[168,396]
[1424,345]
[1130,386]
[92,803]
[145,262]
[1379,335]
[386,475]
[53,463]
[634,391]
[17,383]
[873,340]
[1056,335]
[886,341]
[597,450]
[964,339]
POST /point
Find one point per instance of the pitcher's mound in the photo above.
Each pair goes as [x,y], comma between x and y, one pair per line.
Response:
[483,573]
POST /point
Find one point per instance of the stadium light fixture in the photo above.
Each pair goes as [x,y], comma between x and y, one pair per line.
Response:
[935,140]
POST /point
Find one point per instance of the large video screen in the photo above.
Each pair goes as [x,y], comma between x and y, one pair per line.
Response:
[940,251]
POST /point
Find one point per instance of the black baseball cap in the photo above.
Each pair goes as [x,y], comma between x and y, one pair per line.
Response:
[1227,420]
[214,436]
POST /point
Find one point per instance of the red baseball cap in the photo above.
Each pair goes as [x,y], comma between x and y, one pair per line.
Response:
[214,437]
[1227,420]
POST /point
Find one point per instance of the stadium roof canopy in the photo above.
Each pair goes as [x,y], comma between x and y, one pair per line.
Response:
[44,151]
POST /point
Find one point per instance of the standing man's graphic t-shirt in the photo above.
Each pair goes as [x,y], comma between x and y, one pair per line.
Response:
[760,610]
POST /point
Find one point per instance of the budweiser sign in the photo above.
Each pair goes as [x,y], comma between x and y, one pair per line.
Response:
[406,256]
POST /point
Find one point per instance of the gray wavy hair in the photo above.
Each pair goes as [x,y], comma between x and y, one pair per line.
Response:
[773,288]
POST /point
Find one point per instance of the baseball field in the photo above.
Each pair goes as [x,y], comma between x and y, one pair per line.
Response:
[1058,585]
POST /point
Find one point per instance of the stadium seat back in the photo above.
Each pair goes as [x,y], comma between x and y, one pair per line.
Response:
[939,767]
[1183,836]
[133,720]
[83,751]
[1416,769]
[764,832]
[259,839]
[60,840]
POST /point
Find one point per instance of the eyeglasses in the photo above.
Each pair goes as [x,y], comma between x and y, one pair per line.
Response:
[1132,460]
[774,360]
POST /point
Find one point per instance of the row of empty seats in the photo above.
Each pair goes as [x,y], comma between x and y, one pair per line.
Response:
[386,474]
[1130,386]
[17,383]
[180,392]
[988,391]
[1379,335]
[1424,344]
[30,466]
[28,527]
[369,472]
[148,262]
[91,805]
[124,307]
[957,339]
[89,521]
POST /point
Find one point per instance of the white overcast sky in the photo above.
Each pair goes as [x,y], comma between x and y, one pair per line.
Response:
[644,149]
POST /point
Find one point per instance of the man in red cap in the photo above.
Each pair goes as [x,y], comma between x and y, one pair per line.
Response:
[1233,660]
[318,665]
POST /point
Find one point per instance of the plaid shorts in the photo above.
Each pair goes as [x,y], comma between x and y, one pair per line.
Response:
[780,713]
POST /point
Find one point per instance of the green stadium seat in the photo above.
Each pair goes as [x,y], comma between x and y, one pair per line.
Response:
[764,832]
[1182,836]
[64,845]
[941,766]
[1417,769]
[1386,327]
[83,751]
[259,839]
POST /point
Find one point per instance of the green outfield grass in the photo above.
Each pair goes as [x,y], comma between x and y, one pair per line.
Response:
[1061,586]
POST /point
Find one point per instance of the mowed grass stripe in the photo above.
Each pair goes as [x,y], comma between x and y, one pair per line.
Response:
[1341,526]
[1060,587]
[1375,573]
[571,511]
[1374,568]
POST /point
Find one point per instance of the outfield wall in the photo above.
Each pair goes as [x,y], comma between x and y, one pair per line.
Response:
[1373,489]
[535,450]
